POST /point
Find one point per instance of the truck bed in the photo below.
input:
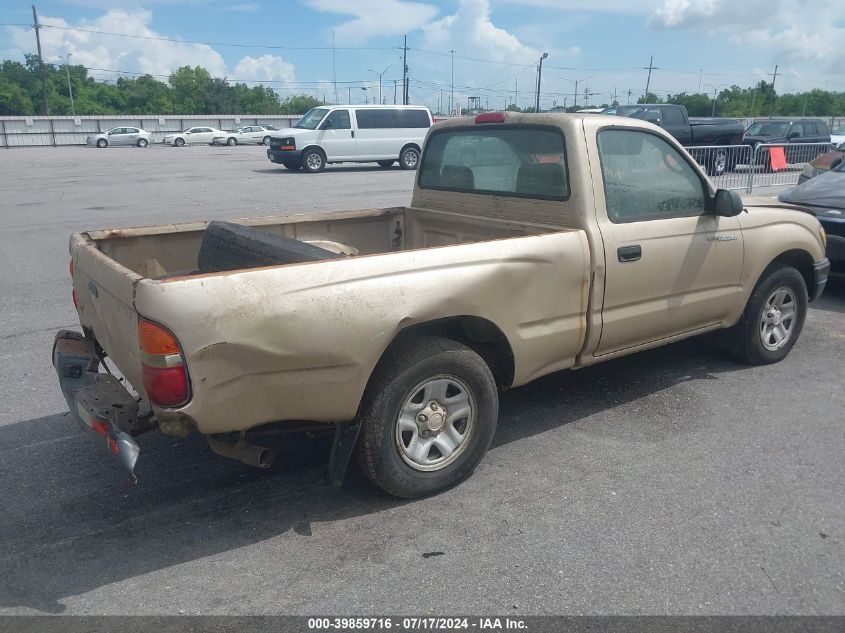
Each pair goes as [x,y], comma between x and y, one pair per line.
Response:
[306,330]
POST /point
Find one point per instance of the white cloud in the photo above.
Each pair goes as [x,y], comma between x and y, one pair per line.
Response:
[371,18]
[136,54]
[794,30]
[264,68]
[603,6]
[471,30]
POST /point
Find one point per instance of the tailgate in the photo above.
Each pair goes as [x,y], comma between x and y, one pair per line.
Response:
[105,292]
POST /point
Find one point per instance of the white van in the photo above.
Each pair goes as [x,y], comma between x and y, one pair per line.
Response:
[381,134]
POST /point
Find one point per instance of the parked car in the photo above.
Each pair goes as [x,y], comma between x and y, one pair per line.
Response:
[837,136]
[120,136]
[607,231]
[193,135]
[792,133]
[823,163]
[691,132]
[358,134]
[259,134]
[824,197]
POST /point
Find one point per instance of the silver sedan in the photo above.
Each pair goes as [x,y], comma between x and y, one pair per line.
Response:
[120,136]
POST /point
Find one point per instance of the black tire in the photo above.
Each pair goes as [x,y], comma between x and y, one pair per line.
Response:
[227,246]
[718,163]
[231,141]
[385,164]
[745,339]
[293,165]
[179,142]
[142,142]
[397,375]
[101,143]
[266,140]
[310,162]
[409,158]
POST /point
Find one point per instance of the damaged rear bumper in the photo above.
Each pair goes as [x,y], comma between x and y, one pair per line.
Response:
[98,402]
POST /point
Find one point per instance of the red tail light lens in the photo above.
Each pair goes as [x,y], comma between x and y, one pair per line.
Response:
[490,117]
[162,366]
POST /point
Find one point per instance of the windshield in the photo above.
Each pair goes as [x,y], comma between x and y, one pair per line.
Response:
[629,111]
[777,128]
[311,119]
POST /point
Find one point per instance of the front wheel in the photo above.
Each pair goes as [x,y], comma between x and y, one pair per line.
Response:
[102,143]
[409,158]
[313,161]
[773,317]
[231,141]
[179,142]
[266,140]
[428,417]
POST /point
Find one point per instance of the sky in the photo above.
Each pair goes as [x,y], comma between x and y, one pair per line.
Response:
[604,45]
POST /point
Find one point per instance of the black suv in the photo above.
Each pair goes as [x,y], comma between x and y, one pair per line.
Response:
[788,131]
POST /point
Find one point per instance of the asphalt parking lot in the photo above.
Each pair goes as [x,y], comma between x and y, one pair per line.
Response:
[671,482]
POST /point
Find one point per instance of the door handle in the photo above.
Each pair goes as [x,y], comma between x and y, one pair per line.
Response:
[353,133]
[629,253]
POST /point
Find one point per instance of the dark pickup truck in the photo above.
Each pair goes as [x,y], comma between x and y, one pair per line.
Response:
[693,132]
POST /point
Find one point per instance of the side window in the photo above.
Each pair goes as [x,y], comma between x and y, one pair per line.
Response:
[386,119]
[645,178]
[337,120]
[130,130]
[412,118]
[797,131]
[376,119]
[652,115]
[673,116]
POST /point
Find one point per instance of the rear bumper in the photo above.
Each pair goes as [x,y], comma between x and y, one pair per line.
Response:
[98,402]
[820,272]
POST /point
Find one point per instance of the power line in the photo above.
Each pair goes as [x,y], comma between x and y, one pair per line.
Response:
[160,38]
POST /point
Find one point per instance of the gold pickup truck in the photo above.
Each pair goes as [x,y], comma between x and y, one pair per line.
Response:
[533,244]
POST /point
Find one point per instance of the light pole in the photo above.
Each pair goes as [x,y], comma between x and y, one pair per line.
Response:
[576,82]
[539,79]
[380,75]
[452,94]
[69,87]
[715,94]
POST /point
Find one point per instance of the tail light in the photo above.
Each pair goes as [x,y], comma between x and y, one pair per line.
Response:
[162,365]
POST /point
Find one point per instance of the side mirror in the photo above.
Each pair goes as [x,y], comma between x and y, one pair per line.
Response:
[793,135]
[841,147]
[727,203]
[836,162]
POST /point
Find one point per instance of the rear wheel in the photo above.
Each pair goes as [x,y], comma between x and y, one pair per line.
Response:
[428,417]
[409,158]
[142,142]
[313,161]
[773,317]
[385,163]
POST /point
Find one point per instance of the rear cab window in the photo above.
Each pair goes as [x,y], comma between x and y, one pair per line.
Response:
[525,162]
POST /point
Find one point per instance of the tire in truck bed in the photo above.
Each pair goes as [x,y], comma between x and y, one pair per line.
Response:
[227,246]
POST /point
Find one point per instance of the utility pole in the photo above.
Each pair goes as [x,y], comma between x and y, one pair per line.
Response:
[334,72]
[629,96]
[46,108]
[70,88]
[440,103]
[774,95]
[405,72]
[394,92]
[516,92]
[452,94]
[380,75]
[651,67]
[539,79]
[700,72]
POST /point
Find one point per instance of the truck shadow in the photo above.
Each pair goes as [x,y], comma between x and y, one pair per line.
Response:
[72,523]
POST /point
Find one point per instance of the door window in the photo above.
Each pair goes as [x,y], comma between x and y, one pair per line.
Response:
[797,131]
[337,120]
[673,116]
[645,178]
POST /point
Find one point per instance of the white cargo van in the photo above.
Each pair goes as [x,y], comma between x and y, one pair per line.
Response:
[381,134]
